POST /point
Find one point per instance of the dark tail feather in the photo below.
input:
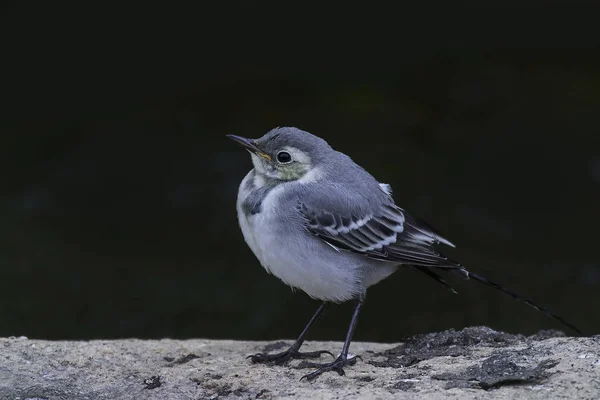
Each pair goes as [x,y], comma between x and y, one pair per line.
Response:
[481,279]
[435,277]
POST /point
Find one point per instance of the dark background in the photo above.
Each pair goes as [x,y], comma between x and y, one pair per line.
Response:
[117,198]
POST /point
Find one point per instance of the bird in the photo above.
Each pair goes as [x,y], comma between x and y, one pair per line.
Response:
[322,224]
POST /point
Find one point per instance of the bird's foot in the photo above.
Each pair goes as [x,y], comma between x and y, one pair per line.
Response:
[337,366]
[285,356]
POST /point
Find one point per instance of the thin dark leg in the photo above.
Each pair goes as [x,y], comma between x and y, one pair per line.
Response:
[292,352]
[342,360]
[316,316]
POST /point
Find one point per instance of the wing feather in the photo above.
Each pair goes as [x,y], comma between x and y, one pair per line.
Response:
[389,234]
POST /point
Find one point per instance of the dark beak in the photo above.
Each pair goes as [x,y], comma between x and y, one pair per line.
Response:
[250,145]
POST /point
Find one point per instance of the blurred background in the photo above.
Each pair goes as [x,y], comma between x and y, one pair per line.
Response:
[118,188]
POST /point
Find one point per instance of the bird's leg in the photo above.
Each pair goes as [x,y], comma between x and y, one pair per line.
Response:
[293,351]
[339,364]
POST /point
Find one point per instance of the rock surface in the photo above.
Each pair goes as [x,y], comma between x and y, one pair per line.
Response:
[472,363]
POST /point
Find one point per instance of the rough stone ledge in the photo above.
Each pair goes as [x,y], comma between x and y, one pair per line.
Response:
[473,363]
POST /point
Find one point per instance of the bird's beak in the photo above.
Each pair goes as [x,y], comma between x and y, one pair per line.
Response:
[250,145]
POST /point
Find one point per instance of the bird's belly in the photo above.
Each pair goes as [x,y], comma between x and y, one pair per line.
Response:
[307,264]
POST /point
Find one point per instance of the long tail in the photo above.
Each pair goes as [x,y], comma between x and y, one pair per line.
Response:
[417,252]
[469,275]
[434,276]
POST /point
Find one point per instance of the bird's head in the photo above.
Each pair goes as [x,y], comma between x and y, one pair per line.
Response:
[285,154]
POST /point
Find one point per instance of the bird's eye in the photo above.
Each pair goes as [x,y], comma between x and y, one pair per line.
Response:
[284,157]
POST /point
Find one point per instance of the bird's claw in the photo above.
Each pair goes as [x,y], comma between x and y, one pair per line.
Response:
[336,366]
[285,356]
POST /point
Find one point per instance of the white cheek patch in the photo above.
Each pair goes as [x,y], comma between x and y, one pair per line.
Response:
[262,167]
[257,163]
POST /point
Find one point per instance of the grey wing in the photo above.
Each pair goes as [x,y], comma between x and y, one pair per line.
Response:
[387,234]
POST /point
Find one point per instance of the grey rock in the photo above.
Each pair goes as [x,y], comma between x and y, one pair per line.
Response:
[468,364]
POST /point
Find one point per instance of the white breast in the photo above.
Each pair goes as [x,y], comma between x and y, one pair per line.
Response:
[309,264]
[255,227]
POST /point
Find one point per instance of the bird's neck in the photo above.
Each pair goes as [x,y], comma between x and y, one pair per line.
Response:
[260,180]
[256,189]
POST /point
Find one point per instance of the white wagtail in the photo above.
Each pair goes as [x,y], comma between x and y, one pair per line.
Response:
[321,223]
